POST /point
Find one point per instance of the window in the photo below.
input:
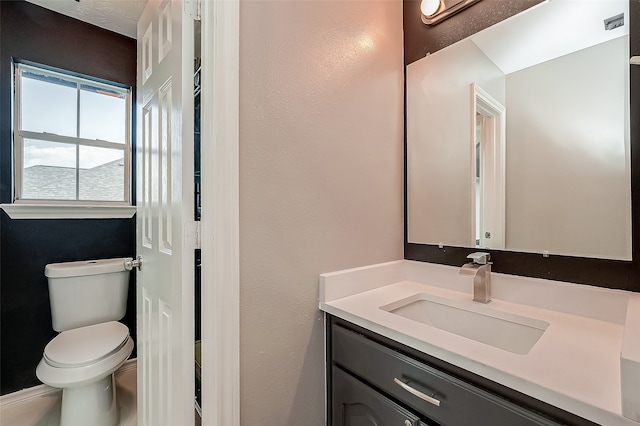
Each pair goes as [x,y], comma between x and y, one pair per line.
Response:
[71,139]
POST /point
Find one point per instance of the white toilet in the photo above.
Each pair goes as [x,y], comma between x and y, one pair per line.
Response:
[87,300]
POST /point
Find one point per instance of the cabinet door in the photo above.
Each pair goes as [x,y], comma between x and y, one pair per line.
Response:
[445,399]
[356,404]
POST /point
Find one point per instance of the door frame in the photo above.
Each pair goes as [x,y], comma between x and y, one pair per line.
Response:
[220,79]
[492,168]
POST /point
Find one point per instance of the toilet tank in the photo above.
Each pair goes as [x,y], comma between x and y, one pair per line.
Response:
[87,292]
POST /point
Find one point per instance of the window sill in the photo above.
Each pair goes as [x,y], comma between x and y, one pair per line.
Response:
[58,211]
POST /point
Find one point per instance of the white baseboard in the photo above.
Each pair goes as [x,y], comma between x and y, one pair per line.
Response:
[27,394]
[43,390]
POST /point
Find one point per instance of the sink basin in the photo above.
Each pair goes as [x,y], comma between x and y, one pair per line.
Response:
[510,332]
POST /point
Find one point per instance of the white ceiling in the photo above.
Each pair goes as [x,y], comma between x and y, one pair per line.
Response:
[550,30]
[120,16]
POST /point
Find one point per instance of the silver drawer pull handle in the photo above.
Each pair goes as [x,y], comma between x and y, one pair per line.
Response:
[416,392]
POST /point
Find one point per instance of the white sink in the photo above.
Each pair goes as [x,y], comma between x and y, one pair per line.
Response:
[507,331]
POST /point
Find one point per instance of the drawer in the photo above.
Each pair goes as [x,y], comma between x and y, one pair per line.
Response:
[355,403]
[453,402]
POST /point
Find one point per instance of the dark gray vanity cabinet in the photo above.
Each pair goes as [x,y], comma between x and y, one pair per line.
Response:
[356,404]
[374,383]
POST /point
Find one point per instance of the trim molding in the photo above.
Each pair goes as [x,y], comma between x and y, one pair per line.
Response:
[27,394]
[59,211]
[221,214]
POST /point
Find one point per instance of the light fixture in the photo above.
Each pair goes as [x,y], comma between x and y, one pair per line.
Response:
[429,7]
[434,11]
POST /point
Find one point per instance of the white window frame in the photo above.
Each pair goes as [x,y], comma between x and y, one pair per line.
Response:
[49,208]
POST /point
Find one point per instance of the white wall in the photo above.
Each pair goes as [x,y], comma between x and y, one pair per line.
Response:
[572,193]
[439,126]
[321,178]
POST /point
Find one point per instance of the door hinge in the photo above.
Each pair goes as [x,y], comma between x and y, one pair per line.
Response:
[192,9]
[192,235]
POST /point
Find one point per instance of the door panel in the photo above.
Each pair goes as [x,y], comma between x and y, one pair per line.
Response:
[165,205]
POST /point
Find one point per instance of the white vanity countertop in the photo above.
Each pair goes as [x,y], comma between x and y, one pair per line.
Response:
[574,366]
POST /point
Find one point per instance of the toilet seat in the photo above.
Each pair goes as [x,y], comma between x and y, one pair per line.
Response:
[86,345]
[66,377]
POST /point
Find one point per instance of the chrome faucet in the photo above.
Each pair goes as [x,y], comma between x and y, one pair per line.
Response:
[480,268]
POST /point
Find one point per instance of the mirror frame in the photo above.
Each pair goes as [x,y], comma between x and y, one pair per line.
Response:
[617,274]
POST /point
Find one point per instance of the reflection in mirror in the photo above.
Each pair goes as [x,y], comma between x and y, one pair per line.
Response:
[487,145]
[561,80]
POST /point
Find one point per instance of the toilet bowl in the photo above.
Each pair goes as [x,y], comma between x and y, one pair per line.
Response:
[87,300]
[82,361]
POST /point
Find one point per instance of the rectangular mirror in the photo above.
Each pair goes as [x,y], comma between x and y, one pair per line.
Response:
[518,136]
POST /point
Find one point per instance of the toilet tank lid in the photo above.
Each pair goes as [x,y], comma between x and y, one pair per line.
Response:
[84,267]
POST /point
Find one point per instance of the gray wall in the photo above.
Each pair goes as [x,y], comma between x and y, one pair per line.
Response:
[321,177]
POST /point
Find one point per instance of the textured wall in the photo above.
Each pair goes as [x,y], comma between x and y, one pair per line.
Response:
[320,183]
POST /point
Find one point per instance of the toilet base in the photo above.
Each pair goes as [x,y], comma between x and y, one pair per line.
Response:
[93,404]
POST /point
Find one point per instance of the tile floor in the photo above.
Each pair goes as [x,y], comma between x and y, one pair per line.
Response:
[44,410]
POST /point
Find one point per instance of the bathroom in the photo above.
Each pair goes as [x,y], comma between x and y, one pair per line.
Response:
[318,193]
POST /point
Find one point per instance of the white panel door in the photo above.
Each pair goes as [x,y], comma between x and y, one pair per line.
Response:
[164,153]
